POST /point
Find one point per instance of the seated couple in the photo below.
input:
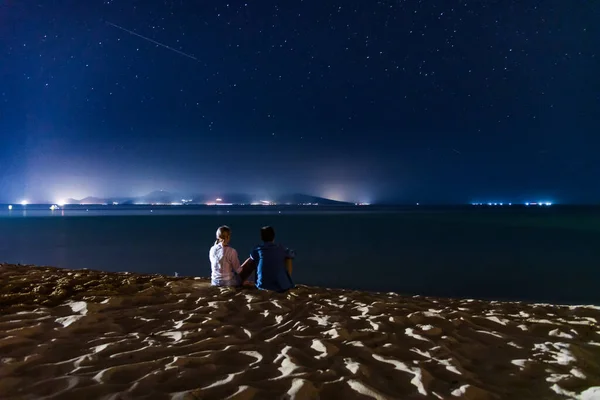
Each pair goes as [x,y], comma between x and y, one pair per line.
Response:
[272,262]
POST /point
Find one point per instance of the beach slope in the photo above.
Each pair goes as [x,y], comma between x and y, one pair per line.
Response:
[84,334]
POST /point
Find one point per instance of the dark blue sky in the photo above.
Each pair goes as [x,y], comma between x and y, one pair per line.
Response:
[356,100]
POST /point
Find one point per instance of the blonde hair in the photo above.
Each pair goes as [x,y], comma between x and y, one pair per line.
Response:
[223,234]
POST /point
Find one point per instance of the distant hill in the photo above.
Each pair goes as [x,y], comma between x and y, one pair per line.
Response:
[235,198]
[88,200]
[156,197]
[240,198]
[306,199]
[92,200]
[164,197]
[159,197]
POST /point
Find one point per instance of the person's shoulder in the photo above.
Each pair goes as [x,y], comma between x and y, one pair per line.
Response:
[213,251]
[289,252]
[283,247]
[215,247]
[256,250]
[232,250]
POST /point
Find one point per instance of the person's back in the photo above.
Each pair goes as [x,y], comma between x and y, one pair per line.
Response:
[270,263]
[224,260]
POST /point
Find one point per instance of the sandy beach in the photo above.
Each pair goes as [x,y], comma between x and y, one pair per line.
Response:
[84,334]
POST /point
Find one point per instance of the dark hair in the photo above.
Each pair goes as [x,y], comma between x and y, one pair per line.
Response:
[267,234]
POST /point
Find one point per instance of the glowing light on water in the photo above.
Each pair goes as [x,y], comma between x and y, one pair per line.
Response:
[10,207]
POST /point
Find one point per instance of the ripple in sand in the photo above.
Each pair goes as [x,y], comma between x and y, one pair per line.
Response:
[188,340]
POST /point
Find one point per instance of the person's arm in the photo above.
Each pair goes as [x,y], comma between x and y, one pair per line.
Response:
[247,268]
[213,260]
[235,261]
[289,256]
[211,254]
[288,265]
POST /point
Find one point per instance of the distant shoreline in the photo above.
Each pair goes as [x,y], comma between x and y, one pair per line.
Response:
[333,206]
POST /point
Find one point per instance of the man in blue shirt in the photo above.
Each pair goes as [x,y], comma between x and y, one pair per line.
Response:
[269,260]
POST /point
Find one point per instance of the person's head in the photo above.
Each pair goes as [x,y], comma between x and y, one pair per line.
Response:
[223,234]
[267,234]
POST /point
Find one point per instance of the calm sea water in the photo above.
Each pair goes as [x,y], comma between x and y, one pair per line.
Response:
[550,254]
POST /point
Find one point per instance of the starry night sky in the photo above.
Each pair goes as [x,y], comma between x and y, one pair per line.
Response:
[444,101]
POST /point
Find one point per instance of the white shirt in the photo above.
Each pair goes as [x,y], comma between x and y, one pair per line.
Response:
[224,262]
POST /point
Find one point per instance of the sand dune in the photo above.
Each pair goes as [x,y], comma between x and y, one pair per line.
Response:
[93,335]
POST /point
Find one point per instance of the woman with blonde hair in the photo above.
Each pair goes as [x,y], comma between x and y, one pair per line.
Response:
[224,260]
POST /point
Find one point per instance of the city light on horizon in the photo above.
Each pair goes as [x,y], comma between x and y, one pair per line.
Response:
[490,204]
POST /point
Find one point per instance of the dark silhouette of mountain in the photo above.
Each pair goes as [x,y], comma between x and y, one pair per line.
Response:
[299,198]
[87,200]
[159,197]
[234,198]
[156,197]
[163,197]
[240,198]
[92,200]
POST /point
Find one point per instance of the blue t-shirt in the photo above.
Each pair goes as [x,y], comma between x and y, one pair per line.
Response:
[271,273]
